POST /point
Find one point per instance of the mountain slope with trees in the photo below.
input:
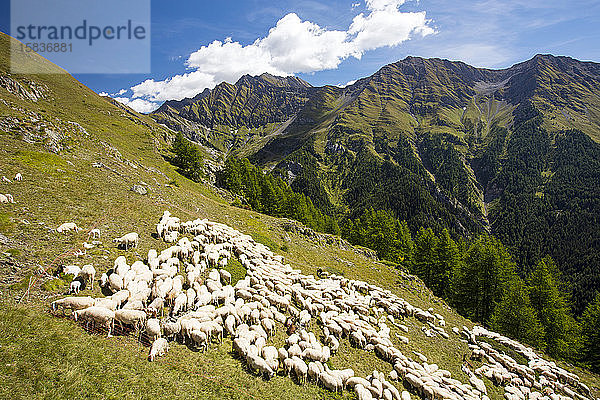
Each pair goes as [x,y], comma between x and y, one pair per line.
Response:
[441,145]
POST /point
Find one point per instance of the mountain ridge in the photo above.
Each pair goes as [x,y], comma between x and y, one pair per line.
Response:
[438,142]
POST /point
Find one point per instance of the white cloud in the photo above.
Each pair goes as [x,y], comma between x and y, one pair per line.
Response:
[378,5]
[103,94]
[291,46]
[176,87]
[120,92]
[139,105]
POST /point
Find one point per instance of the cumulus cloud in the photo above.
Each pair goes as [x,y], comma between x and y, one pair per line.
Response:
[291,46]
[103,94]
[349,83]
[139,105]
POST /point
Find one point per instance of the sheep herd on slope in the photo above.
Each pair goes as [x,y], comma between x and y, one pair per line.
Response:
[190,278]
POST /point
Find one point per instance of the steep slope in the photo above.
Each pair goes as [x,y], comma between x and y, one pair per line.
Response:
[444,144]
[255,104]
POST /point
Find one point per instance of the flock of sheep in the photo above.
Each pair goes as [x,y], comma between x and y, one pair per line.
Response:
[7,197]
[189,278]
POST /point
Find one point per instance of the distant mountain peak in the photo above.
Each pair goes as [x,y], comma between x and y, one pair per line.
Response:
[273,80]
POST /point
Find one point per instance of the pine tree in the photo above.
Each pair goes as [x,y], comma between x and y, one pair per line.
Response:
[553,309]
[479,282]
[448,260]
[188,158]
[424,260]
[515,317]
[590,334]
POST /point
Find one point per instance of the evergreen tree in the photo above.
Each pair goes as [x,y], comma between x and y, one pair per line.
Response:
[188,158]
[553,309]
[590,334]
[448,260]
[515,317]
[425,262]
[479,282]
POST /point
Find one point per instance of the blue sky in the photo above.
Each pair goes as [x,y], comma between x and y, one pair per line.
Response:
[334,41]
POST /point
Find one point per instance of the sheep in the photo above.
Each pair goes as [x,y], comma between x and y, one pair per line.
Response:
[127,241]
[133,304]
[88,272]
[362,393]
[7,198]
[230,325]
[115,282]
[313,370]
[225,276]
[130,317]
[101,315]
[67,227]
[153,329]
[332,342]
[73,303]
[159,348]
[95,233]
[257,363]
[171,328]
[199,338]
[74,270]
[180,303]
[355,380]
[300,369]
[106,302]
[330,381]
[5,179]
[18,177]
[75,286]
[155,306]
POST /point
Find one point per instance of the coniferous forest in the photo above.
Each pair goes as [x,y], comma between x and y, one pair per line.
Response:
[478,275]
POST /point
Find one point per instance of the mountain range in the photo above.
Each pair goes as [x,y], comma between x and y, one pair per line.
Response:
[513,152]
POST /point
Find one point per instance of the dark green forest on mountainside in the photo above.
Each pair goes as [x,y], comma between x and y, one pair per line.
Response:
[271,195]
[476,275]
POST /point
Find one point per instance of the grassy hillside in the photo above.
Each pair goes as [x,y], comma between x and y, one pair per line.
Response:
[87,180]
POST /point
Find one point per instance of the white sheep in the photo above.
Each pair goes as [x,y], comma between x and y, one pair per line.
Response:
[225,276]
[18,177]
[75,287]
[88,272]
[127,241]
[115,282]
[159,348]
[106,302]
[67,227]
[4,199]
[95,233]
[74,270]
[95,314]
[136,318]
[153,329]
[199,338]
[103,279]
[5,179]
[73,303]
